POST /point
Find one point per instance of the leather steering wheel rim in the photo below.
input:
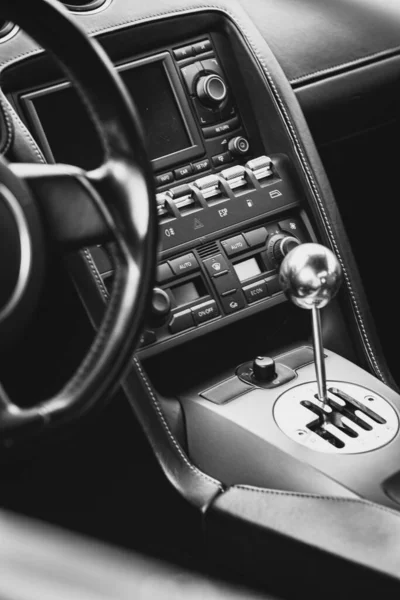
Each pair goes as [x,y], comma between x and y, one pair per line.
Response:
[121,198]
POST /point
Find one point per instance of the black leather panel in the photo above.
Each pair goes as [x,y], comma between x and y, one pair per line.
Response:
[311,546]
[318,37]
[309,37]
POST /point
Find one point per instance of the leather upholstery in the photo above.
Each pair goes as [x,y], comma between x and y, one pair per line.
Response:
[311,546]
[37,561]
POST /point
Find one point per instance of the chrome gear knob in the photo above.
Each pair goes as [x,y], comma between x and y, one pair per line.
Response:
[310,276]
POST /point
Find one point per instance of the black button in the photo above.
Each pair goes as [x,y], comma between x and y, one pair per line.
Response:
[205,312]
[205,115]
[290,225]
[256,291]
[211,64]
[165,178]
[201,166]
[235,245]
[215,265]
[147,337]
[184,264]
[202,47]
[181,321]
[225,283]
[183,172]
[190,74]
[221,128]
[227,110]
[226,391]
[180,190]
[184,52]
[257,237]
[273,285]
[164,273]
[222,159]
[233,303]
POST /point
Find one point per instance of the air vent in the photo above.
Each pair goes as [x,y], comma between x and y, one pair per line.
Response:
[208,249]
[79,6]
[7,30]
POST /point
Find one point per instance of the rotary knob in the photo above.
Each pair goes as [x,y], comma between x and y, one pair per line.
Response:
[160,308]
[264,369]
[279,246]
[211,90]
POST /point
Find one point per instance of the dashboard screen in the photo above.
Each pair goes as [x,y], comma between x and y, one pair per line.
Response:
[72,137]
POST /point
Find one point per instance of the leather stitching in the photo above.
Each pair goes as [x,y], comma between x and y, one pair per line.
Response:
[24,130]
[156,404]
[294,137]
[9,128]
[266,491]
[358,62]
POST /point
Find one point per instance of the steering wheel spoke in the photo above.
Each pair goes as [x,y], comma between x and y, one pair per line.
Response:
[72,210]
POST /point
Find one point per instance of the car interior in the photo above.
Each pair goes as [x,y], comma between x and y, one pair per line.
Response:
[199,376]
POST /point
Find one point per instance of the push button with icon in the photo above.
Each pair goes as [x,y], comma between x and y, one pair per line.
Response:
[216,265]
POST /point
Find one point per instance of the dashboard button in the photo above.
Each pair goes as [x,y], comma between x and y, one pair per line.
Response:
[164,178]
[257,237]
[202,165]
[202,47]
[273,285]
[190,74]
[164,273]
[211,64]
[147,337]
[181,321]
[233,302]
[235,245]
[256,291]
[221,128]
[184,52]
[215,265]
[205,312]
[183,172]
[225,283]
[222,159]
[206,116]
[184,264]
[290,226]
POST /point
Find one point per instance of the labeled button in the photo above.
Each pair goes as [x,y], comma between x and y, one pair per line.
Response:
[221,128]
[183,172]
[215,265]
[184,264]
[190,74]
[147,337]
[257,237]
[164,273]
[222,159]
[184,52]
[225,283]
[273,285]
[289,225]
[164,178]
[256,291]
[181,321]
[233,302]
[211,64]
[235,245]
[202,165]
[205,312]
[202,47]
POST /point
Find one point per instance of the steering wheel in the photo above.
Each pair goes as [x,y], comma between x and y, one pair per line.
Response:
[77,209]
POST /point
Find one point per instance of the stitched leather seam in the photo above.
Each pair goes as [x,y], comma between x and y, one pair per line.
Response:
[8,124]
[169,432]
[316,497]
[155,402]
[294,137]
[24,130]
[344,65]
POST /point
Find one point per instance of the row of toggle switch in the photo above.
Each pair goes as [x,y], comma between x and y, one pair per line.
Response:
[173,201]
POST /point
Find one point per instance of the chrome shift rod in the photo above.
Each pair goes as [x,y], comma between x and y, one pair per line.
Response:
[310,276]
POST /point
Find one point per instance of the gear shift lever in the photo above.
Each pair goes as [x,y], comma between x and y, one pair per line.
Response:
[310,276]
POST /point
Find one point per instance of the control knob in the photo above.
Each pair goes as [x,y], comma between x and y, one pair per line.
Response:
[239,146]
[211,90]
[279,246]
[264,369]
[160,308]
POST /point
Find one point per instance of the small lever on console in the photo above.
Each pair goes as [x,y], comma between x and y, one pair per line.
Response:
[310,276]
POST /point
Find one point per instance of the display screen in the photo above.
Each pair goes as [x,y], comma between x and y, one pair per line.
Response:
[73,139]
[247,269]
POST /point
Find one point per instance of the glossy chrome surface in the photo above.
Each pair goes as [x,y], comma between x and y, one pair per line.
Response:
[310,275]
[319,354]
